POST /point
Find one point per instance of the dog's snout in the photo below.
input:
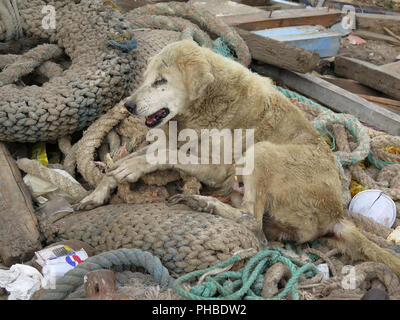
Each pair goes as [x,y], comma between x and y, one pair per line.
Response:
[131,107]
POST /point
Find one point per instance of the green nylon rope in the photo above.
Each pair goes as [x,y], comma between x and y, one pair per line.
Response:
[248,281]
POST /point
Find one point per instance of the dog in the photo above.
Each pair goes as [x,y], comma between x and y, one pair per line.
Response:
[294,192]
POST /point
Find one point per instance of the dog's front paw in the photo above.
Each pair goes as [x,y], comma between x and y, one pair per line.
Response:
[93,200]
[195,202]
[128,170]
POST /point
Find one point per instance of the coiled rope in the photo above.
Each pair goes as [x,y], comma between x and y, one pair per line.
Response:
[248,281]
[125,258]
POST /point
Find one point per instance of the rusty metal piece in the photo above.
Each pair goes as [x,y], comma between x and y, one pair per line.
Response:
[101,285]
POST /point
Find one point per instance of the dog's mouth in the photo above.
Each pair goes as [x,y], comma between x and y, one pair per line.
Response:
[155,119]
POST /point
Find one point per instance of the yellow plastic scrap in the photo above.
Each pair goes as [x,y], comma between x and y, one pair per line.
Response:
[392,149]
[355,188]
[39,153]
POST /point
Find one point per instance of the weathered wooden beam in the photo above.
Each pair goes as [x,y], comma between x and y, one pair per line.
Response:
[352,86]
[334,97]
[394,67]
[376,36]
[280,54]
[19,235]
[283,18]
[369,74]
[389,102]
[376,22]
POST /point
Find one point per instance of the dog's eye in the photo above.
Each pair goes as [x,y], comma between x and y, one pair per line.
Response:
[160,82]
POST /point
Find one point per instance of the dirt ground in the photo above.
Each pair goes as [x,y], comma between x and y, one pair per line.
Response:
[376,52]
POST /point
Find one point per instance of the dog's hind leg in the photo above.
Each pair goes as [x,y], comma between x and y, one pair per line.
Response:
[350,241]
[214,206]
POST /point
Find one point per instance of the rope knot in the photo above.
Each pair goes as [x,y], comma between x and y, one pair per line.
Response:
[205,290]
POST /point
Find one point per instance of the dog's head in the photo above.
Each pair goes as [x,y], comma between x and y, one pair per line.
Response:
[174,78]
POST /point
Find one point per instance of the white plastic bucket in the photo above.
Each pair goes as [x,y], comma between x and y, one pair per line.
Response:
[376,205]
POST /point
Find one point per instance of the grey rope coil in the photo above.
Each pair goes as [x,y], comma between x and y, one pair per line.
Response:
[125,258]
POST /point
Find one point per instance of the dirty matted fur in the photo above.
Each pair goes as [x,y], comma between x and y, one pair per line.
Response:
[294,192]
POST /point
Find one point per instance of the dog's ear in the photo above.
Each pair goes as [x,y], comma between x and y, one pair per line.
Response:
[197,75]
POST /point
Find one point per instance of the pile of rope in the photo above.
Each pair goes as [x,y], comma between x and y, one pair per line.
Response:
[367,158]
[98,76]
[183,239]
[280,274]
[121,259]
[105,68]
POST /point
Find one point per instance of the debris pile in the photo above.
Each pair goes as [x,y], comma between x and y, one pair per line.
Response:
[63,125]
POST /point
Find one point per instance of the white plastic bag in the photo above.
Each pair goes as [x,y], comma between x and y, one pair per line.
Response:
[21,281]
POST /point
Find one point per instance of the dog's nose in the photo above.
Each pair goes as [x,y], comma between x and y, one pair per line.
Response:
[131,107]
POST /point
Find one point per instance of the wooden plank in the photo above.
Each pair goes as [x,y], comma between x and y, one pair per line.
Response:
[287,4]
[391,33]
[376,22]
[19,235]
[381,100]
[375,36]
[369,74]
[283,18]
[334,97]
[279,53]
[394,67]
[352,86]
[323,41]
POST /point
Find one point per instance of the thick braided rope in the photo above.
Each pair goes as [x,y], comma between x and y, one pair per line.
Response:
[92,139]
[356,130]
[27,62]
[249,280]
[125,258]
[10,20]
[98,77]
[378,143]
[187,28]
[204,19]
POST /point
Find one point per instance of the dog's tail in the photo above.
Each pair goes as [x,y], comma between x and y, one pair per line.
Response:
[352,242]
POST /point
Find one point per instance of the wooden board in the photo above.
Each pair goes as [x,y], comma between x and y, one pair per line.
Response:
[394,67]
[376,22]
[334,97]
[283,18]
[352,86]
[279,53]
[369,74]
[314,38]
[368,35]
[381,100]
[19,235]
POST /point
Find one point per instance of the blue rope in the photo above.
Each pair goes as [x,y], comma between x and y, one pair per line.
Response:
[246,283]
[128,46]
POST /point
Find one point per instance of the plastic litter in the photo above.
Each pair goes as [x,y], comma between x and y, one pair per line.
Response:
[21,281]
[53,252]
[55,268]
[324,269]
[376,205]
